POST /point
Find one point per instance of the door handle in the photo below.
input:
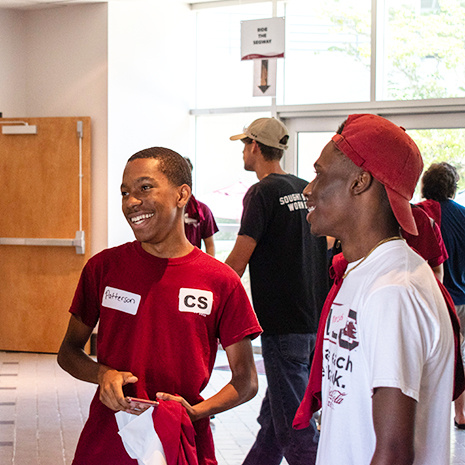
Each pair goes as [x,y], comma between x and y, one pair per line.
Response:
[78,242]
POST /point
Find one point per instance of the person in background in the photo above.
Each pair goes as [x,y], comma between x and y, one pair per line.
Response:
[428,243]
[439,186]
[199,223]
[289,282]
[162,306]
[383,368]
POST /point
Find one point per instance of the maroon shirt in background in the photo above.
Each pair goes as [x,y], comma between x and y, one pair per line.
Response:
[199,223]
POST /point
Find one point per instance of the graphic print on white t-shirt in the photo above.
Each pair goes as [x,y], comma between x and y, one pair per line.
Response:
[341,340]
[117,299]
[195,301]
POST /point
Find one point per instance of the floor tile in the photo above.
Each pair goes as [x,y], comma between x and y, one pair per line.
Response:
[43,409]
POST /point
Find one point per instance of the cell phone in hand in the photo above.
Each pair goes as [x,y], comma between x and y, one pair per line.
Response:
[141,404]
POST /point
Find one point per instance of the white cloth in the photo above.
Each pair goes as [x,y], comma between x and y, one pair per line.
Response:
[140,438]
[388,327]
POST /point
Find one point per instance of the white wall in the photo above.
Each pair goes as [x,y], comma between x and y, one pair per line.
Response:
[66,67]
[150,81]
[12,64]
[53,62]
[129,65]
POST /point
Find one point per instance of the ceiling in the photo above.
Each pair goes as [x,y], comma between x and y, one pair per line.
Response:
[37,4]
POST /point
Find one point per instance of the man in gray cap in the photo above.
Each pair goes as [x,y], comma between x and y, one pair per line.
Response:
[288,275]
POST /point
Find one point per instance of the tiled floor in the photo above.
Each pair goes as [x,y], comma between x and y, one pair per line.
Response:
[42,411]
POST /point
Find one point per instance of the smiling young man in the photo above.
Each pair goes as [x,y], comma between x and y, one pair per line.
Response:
[162,305]
[385,344]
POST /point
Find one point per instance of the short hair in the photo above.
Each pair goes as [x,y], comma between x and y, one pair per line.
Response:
[172,165]
[269,153]
[191,166]
[341,127]
[346,160]
[439,182]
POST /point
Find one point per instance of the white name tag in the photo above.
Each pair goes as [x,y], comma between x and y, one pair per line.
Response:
[123,301]
[195,301]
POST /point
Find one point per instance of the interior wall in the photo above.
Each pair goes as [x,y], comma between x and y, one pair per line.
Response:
[66,50]
[150,81]
[129,65]
[12,64]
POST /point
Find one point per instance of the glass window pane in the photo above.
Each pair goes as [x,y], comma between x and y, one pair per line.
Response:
[223,80]
[423,50]
[309,147]
[324,41]
[220,180]
[327,52]
[441,145]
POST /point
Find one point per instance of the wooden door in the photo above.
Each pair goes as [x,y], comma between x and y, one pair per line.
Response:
[42,189]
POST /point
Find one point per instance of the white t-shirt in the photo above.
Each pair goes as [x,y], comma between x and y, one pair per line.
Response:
[388,327]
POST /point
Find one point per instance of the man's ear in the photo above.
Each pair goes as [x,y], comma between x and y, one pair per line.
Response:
[361,183]
[184,195]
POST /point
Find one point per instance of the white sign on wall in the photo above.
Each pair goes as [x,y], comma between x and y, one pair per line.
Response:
[262,38]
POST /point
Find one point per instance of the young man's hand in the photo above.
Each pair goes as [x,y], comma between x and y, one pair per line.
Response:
[111,384]
[190,410]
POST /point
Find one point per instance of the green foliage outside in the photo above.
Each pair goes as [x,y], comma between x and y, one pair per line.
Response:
[426,52]
[424,56]
[438,145]
[424,59]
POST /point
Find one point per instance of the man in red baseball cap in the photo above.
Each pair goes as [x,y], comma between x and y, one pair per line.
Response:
[385,342]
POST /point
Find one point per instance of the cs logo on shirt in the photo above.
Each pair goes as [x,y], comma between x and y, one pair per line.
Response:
[195,301]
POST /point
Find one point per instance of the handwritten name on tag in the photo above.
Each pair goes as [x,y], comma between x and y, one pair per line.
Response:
[123,301]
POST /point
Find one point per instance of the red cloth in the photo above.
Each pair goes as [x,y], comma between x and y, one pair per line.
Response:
[433,209]
[311,402]
[193,209]
[312,398]
[428,243]
[176,433]
[459,375]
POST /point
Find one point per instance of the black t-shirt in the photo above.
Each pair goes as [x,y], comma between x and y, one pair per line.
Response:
[288,268]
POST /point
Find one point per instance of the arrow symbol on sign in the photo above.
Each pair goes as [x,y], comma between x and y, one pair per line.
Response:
[264,77]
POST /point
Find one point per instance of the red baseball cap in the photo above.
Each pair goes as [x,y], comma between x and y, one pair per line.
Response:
[390,155]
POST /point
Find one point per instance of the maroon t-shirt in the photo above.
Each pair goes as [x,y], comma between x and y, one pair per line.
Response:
[160,319]
[428,243]
[199,222]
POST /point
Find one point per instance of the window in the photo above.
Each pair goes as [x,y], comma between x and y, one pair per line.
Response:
[331,69]
[222,79]
[419,52]
[219,176]
[327,52]
[320,48]
[438,145]
[309,147]
[422,55]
